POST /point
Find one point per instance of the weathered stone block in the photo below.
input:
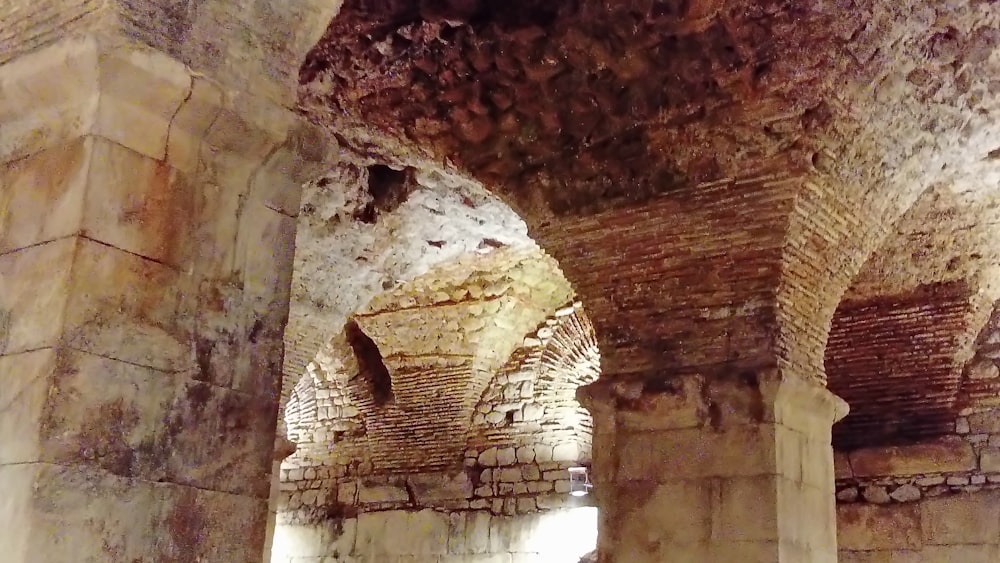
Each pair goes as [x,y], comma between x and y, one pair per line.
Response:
[397,532]
[862,526]
[371,492]
[34,291]
[190,124]
[26,379]
[989,460]
[961,519]
[938,457]
[125,307]
[694,453]
[984,422]
[140,520]
[47,192]
[140,92]
[682,511]
[432,487]
[138,204]
[50,97]
[748,509]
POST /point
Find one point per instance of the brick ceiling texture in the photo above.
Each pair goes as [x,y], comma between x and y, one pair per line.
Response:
[728,185]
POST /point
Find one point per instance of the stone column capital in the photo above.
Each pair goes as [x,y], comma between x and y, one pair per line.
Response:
[694,400]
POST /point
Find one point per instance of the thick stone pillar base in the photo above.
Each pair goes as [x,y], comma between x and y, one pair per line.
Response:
[147,224]
[714,470]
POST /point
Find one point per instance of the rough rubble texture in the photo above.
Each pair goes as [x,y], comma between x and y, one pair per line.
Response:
[834,117]
[752,199]
[346,255]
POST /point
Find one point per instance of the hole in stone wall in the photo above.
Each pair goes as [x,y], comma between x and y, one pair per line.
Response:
[370,365]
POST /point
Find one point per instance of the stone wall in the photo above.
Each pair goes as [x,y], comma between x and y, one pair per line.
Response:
[526,430]
[966,461]
[428,536]
[954,528]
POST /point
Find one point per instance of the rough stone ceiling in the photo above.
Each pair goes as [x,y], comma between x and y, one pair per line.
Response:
[571,108]
[366,229]
[578,105]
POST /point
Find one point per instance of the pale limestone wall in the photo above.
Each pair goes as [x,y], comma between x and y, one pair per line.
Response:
[146,234]
[956,528]
[428,536]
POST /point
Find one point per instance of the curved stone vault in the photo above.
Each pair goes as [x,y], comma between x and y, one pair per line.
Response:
[716,224]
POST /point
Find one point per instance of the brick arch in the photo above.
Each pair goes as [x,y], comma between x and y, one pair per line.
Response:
[907,326]
[442,337]
[531,400]
[742,199]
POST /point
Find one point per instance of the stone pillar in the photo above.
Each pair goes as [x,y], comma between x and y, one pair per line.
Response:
[147,223]
[718,469]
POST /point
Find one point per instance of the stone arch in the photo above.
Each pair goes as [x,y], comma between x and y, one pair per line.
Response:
[531,400]
[810,147]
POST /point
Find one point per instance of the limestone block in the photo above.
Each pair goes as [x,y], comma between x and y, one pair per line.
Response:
[132,421]
[506,456]
[862,526]
[139,520]
[984,422]
[983,369]
[532,411]
[989,460]
[474,534]
[370,493]
[489,457]
[963,553]
[543,453]
[265,250]
[566,452]
[243,423]
[42,196]
[748,510]
[751,552]
[34,291]
[141,91]
[307,153]
[18,480]
[905,493]
[961,519]
[50,96]
[24,392]
[510,474]
[190,125]
[126,307]
[432,487]
[693,453]
[938,457]
[137,203]
[682,511]
[292,542]
[398,532]
[792,457]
